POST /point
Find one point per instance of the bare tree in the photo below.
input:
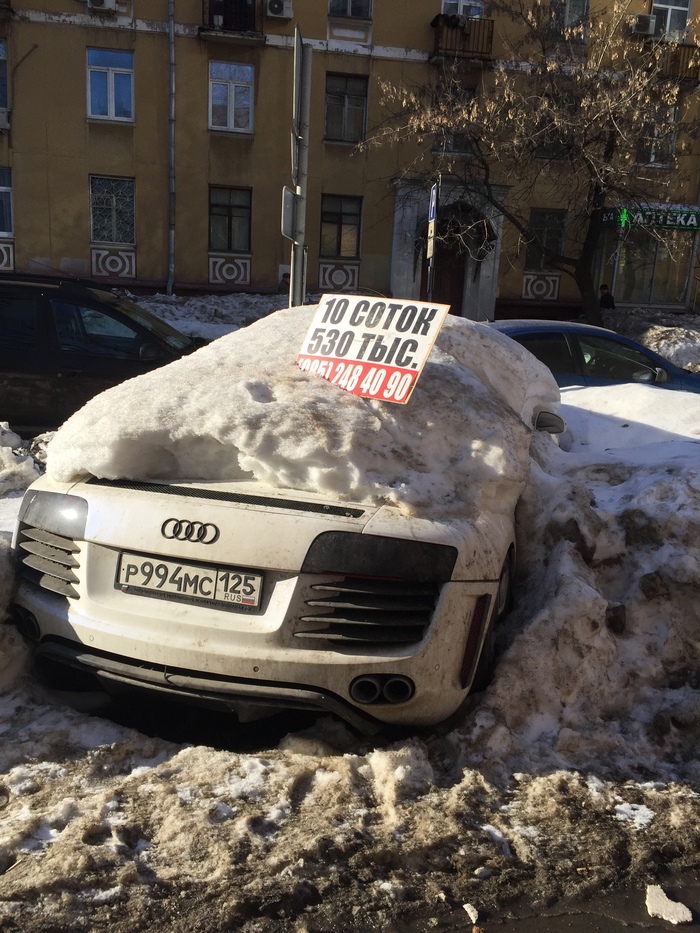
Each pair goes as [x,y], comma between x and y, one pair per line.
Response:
[580,114]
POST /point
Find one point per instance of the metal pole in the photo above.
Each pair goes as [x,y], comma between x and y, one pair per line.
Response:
[297,281]
[171,150]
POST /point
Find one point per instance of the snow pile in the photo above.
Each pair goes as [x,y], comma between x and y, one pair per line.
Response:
[210,316]
[673,336]
[240,409]
[602,672]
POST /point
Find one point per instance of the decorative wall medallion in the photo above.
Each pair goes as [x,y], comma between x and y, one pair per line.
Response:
[114,262]
[7,256]
[336,276]
[541,286]
[229,270]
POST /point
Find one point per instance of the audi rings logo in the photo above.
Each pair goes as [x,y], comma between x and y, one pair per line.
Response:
[197,532]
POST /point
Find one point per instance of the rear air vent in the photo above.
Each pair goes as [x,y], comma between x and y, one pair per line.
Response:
[49,561]
[218,496]
[362,612]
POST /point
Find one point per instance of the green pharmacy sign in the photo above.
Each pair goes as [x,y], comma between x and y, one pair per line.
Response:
[670,218]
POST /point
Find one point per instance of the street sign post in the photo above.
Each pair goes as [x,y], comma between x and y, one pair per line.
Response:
[430,245]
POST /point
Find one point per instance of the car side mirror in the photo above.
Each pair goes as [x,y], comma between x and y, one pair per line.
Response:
[549,422]
[661,375]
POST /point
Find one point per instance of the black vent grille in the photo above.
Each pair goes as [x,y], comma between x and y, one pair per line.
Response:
[49,561]
[218,496]
[369,612]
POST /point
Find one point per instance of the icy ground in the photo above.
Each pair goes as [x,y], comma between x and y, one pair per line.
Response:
[576,770]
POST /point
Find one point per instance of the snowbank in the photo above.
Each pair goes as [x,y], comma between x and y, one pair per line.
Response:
[240,408]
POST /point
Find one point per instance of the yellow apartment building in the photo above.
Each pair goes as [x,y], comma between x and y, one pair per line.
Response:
[146,143]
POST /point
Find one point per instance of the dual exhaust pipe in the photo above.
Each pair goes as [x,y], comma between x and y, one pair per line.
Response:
[377,688]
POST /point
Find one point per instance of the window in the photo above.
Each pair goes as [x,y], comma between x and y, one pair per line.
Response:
[110,84]
[671,19]
[3,74]
[231,97]
[474,9]
[569,14]
[112,210]
[459,143]
[6,224]
[86,330]
[606,359]
[548,237]
[18,323]
[340,226]
[361,9]
[346,105]
[229,219]
[551,349]
[657,143]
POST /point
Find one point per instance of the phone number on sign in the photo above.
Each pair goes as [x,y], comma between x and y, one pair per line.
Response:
[388,383]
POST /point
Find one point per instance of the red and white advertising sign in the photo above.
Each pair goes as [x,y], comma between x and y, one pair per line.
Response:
[375,348]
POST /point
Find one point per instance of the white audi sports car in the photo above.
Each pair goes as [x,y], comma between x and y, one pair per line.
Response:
[237,532]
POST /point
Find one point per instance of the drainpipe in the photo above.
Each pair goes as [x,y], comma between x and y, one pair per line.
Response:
[171,154]
[297,285]
[11,92]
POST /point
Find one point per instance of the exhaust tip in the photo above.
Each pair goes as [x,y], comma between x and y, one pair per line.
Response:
[366,689]
[27,624]
[388,688]
[398,689]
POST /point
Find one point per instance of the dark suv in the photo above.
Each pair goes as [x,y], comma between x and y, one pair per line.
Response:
[63,341]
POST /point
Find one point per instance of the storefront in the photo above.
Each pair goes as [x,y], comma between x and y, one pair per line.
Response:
[647,255]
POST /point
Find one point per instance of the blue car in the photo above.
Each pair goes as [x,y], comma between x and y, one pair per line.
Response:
[583,355]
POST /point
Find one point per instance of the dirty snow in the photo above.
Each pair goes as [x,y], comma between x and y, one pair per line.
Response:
[240,408]
[576,770]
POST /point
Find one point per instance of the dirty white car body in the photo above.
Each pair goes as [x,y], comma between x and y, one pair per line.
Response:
[157,587]
[254,595]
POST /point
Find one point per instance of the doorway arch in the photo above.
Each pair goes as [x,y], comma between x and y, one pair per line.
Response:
[464,238]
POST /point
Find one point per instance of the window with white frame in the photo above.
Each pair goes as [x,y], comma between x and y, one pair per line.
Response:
[671,19]
[359,9]
[231,97]
[346,107]
[112,210]
[3,74]
[474,9]
[110,84]
[569,14]
[6,222]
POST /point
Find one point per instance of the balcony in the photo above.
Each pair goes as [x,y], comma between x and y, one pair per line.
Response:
[462,37]
[681,62]
[231,20]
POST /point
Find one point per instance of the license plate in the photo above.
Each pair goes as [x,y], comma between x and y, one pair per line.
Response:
[200,584]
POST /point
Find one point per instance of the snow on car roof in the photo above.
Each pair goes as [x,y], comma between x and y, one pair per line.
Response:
[240,408]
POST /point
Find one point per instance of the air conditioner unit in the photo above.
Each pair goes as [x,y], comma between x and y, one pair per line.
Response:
[280,9]
[644,25]
[4,119]
[102,6]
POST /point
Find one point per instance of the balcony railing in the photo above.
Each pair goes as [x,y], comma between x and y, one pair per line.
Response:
[462,36]
[229,16]
[681,61]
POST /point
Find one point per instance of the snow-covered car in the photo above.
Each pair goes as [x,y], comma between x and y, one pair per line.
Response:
[235,531]
[64,340]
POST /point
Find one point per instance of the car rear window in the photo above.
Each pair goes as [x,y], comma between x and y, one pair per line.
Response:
[18,322]
[551,349]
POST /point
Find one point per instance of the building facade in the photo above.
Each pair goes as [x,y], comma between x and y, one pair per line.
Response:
[146,144]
